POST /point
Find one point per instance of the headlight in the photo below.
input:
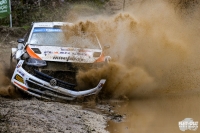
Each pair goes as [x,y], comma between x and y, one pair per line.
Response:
[36,62]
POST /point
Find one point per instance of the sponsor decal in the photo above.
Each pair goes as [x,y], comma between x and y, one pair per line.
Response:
[72,49]
[67,58]
[20,73]
[75,58]
[64,49]
[19,65]
[48,52]
[19,78]
[61,58]
[74,53]
[64,52]
[67,49]
[188,124]
[55,52]
[47,30]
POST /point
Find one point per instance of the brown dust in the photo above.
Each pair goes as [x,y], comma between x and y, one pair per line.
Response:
[154,50]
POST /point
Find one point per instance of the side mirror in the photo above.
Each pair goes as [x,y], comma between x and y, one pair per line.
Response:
[106,46]
[21,40]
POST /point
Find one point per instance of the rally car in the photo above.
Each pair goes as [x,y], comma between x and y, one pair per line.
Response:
[48,61]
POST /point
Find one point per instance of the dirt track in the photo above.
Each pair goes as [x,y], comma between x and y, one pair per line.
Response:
[50,117]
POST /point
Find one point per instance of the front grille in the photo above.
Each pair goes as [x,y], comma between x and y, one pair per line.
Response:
[65,76]
[60,83]
[32,85]
[40,90]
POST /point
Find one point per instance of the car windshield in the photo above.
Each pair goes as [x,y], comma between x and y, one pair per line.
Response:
[56,37]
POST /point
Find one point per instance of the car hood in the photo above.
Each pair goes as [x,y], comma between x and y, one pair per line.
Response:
[64,54]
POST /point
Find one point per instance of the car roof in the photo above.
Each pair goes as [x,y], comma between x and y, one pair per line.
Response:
[50,24]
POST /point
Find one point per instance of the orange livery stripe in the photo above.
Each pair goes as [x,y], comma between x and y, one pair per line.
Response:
[32,53]
[24,88]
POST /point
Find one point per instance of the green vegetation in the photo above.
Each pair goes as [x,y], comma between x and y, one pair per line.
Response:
[26,11]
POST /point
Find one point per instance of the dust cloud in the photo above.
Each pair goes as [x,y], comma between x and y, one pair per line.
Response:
[154,49]
[6,88]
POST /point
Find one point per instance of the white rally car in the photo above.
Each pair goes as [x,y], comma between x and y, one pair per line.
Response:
[47,62]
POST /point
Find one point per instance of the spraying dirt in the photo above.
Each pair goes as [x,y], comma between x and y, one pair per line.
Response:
[154,49]
[6,88]
[8,37]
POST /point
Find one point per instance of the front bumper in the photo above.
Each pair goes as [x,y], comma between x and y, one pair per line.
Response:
[40,88]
